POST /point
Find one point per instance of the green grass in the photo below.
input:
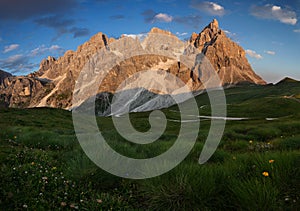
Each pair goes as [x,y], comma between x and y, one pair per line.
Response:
[42,166]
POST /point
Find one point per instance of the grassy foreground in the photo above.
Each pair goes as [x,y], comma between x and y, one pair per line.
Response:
[256,166]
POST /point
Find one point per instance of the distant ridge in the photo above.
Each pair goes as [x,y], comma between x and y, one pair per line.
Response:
[287,80]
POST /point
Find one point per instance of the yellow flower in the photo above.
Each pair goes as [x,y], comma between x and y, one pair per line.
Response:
[54,168]
[265,173]
[234,158]
[250,142]
[32,163]
[271,161]
[15,137]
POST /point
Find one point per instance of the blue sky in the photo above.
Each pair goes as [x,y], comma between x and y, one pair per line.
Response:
[30,30]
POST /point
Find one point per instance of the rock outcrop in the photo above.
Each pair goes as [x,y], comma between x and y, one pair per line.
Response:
[53,84]
[227,57]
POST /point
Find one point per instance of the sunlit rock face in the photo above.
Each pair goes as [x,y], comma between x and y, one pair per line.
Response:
[53,84]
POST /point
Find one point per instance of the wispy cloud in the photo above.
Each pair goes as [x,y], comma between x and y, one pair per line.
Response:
[79,32]
[297,30]
[62,25]
[274,12]
[18,63]
[117,17]
[189,21]
[272,53]
[211,8]
[162,17]
[134,36]
[150,16]
[181,34]
[253,54]
[11,47]
[20,10]
[229,33]
[54,49]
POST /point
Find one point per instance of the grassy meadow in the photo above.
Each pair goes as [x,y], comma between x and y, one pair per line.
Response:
[256,166]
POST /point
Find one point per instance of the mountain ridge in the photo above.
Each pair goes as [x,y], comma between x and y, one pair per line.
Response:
[53,84]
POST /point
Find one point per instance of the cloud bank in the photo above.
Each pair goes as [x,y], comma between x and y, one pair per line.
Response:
[274,12]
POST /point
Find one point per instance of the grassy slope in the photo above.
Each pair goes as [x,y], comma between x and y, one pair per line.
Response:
[43,166]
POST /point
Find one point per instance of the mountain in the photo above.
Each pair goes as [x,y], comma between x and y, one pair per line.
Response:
[53,84]
[227,57]
[287,80]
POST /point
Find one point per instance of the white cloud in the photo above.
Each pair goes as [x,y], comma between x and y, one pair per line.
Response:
[253,54]
[18,63]
[229,33]
[140,36]
[297,30]
[162,17]
[274,12]
[10,48]
[209,7]
[270,52]
[181,34]
[43,49]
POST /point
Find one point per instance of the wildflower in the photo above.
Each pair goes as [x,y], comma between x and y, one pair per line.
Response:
[99,201]
[26,172]
[54,168]
[63,204]
[271,161]
[44,178]
[265,173]
[250,142]
[32,163]
[234,158]
[15,137]
[73,206]
[25,205]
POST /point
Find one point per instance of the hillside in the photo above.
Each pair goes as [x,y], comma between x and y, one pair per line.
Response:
[256,165]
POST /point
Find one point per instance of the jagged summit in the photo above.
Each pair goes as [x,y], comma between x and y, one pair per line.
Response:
[213,26]
[160,31]
[227,57]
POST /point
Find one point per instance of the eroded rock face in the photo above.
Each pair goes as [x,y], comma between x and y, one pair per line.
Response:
[227,57]
[53,84]
[20,92]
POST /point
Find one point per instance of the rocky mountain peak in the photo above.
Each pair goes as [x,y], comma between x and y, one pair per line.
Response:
[227,57]
[214,25]
[160,31]
[53,84]
[210,32]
